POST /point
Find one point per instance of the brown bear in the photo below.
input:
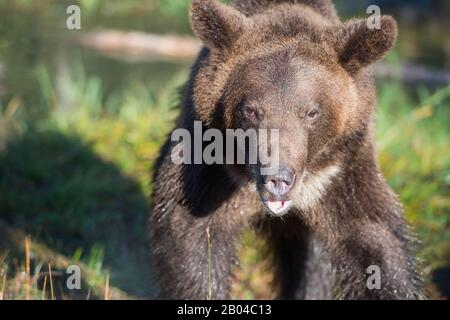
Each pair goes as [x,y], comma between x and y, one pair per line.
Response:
[332,219]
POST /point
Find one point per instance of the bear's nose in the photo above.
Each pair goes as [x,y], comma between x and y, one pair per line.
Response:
[280,183]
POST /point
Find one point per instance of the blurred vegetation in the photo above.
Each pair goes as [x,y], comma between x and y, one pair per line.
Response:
[79,134]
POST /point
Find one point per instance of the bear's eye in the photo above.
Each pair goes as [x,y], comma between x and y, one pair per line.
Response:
[250,112]
[313,114]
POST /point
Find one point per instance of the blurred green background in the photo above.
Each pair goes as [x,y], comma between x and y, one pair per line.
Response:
[81,126]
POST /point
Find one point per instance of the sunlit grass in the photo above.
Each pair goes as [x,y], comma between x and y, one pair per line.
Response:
[413,145]
[36,272]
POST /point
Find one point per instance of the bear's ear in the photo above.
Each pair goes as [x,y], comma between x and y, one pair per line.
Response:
[216,25]
[359,45]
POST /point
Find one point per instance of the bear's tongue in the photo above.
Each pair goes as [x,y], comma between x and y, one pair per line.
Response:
[278,206]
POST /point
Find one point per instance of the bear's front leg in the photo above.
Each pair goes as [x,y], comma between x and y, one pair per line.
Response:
[192,254]
[360,224]
[374,261]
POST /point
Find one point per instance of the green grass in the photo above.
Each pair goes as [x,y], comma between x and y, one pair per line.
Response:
[78,182]
[414,151]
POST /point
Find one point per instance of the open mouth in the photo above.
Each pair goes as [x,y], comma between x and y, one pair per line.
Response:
[278,207]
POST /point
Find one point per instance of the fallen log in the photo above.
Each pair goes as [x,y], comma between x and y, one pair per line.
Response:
[412,74]
[135,46]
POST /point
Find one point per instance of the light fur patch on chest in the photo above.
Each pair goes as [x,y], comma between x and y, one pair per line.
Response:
[313,186]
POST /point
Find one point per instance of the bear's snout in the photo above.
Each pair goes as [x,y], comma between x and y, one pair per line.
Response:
[279,184]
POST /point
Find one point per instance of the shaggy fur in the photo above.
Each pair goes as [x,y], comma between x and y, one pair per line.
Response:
[288,61]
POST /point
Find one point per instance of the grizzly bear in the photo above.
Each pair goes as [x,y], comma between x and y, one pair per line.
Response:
[331,219]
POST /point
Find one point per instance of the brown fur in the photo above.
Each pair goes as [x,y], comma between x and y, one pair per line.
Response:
[284,59]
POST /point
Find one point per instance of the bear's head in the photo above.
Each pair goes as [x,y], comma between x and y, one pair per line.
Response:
[289,68]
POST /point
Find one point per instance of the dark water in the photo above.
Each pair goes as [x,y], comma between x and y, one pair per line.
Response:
[33,38]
